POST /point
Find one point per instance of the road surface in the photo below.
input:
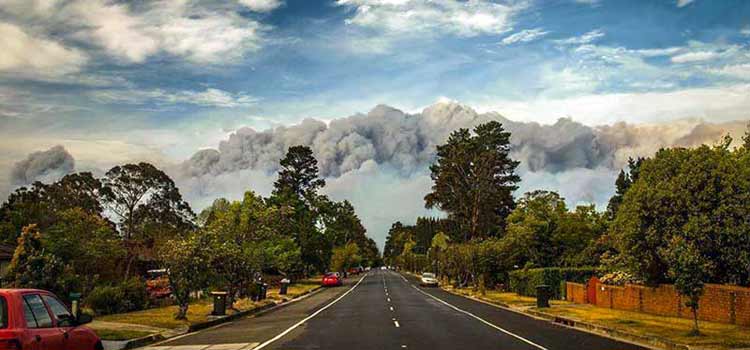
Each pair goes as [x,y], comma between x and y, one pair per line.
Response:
[384,310]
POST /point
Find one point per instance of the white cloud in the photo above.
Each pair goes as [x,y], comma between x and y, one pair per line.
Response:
[584,38]
[719,103]
[32,55]
[736,71]
[210,97]
[745,31]
[133,32]
[408,17]
[261,5]
[683,3]
[524,36]
[697,56]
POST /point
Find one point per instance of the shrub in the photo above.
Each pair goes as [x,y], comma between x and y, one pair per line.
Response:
[129,295]
[619,278]
[524,282]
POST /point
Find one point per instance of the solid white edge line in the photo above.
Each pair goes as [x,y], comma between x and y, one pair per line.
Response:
[482,320]
[280,335]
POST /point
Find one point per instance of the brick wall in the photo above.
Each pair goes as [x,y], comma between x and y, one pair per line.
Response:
[575,292]
[719,303]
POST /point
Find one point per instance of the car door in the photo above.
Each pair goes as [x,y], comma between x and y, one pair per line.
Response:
[74,338]
[41,325]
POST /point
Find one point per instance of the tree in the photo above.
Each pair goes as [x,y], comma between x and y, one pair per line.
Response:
[345,257]
[688,269]
[438,245]
[148,204]
[474,179]
[699,194]
[298,173]
[40,203]
[187,261]
[296,189]
[79,238]
[33,267]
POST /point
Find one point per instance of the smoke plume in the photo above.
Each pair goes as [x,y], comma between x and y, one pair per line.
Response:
[379,160]
[45,166]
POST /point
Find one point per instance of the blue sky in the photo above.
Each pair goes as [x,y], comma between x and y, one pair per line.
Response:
[116,81]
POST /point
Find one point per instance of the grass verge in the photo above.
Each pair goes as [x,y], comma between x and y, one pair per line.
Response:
[120,334]
[199,310]
[714,335]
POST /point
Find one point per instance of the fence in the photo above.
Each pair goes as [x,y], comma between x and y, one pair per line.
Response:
[719,303]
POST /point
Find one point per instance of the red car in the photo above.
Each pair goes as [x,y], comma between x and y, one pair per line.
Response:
[33,319]
[332,279]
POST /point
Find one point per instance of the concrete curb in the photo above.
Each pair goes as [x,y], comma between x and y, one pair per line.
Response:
[637,339]
[159,337]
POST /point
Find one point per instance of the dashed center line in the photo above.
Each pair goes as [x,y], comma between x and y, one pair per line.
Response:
[391,308]
[396,323]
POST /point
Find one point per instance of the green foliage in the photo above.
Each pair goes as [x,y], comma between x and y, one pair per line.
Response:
[345,257]
[129,295]
[542,232]
[689,269]
[700,195]
[525,281]
[474,179]
[33,267]
[187,261]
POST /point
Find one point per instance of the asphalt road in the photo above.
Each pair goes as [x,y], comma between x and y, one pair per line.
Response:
[384,310]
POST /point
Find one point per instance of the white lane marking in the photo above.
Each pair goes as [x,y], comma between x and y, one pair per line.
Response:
[396,323]
[482,320]
[269,341]
[391,308]
[389,300]
[227,346]
[404,278]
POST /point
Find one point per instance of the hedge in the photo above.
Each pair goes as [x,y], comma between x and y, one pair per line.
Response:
[524,282]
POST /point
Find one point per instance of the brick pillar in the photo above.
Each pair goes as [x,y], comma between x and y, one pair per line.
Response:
[733,307]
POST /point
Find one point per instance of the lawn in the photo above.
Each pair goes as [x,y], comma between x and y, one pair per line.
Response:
[199,310]
[120,334]
[715,335]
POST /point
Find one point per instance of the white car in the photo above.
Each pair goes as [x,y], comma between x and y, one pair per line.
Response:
[428,280]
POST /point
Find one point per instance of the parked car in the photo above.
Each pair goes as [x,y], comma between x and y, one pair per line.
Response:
[356,270]
[332,279]
[428,280]
[36,319]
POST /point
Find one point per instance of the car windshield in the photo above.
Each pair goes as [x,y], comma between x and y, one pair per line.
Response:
[428,275]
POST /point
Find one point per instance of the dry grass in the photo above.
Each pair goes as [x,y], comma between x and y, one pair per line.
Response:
[199,310]
[714,335]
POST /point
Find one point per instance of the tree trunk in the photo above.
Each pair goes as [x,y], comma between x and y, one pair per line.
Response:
[129,261]
[182,311]
[695,331]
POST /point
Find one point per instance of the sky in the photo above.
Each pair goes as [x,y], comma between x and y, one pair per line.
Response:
[164,81]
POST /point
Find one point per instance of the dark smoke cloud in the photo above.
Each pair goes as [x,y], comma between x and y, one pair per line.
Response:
[406,142]
[45,166]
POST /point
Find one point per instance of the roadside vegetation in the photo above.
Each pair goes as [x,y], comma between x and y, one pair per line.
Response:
[100,237]
[679,217]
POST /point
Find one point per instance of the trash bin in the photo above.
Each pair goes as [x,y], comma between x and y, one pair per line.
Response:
[220,303]
[284,285]
[263,290]
[543,294]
